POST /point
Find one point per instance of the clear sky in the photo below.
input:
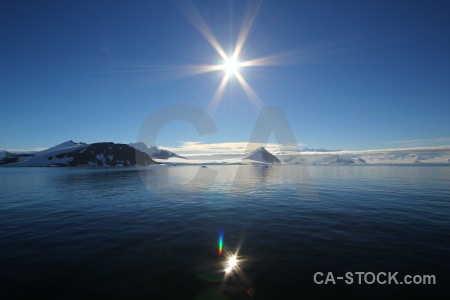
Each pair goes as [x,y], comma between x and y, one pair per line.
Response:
[349,74]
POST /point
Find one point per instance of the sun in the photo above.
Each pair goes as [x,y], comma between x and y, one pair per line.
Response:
[237,62]
[231,65]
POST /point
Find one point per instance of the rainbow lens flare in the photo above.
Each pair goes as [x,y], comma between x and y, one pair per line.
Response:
[220,242]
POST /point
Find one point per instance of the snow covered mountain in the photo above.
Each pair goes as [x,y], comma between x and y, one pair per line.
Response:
[35,158]
[321,159]
[155,152]
[80,154]
[65,147]
[9,157]
[317,150]
[261,155]
[430,155]
[109,154]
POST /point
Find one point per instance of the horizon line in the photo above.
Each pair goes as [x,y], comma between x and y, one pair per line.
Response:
[237,148]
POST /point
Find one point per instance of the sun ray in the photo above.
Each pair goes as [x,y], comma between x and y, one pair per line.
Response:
[200,69]
[315,53]
[254,98]
[232,62]
[279,59]
[247,24]
[164,72]
[193,15]
[229,64]
[218,94]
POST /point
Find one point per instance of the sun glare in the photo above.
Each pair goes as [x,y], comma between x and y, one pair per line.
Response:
[231,264]
[232,261]
[231,65]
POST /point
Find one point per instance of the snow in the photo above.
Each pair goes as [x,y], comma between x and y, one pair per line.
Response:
[41,158]
[256,155]
[430,155]
[407,158]
[181,161]
[325,158]
[151,150]
[66,146]
[260,155]
[367,158]
[141,146]
[41,161]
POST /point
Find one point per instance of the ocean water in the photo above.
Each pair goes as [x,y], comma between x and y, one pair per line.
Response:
[152,233]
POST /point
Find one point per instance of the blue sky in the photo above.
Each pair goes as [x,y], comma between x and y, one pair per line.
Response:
[350,75]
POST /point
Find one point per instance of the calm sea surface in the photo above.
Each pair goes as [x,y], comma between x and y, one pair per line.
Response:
[152,233]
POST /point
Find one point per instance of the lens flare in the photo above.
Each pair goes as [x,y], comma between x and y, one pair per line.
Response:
[231,263]
[220,242]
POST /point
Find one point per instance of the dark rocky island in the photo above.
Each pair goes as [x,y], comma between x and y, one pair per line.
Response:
[73,154]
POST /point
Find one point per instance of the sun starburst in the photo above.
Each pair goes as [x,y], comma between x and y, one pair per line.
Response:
[230,64]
